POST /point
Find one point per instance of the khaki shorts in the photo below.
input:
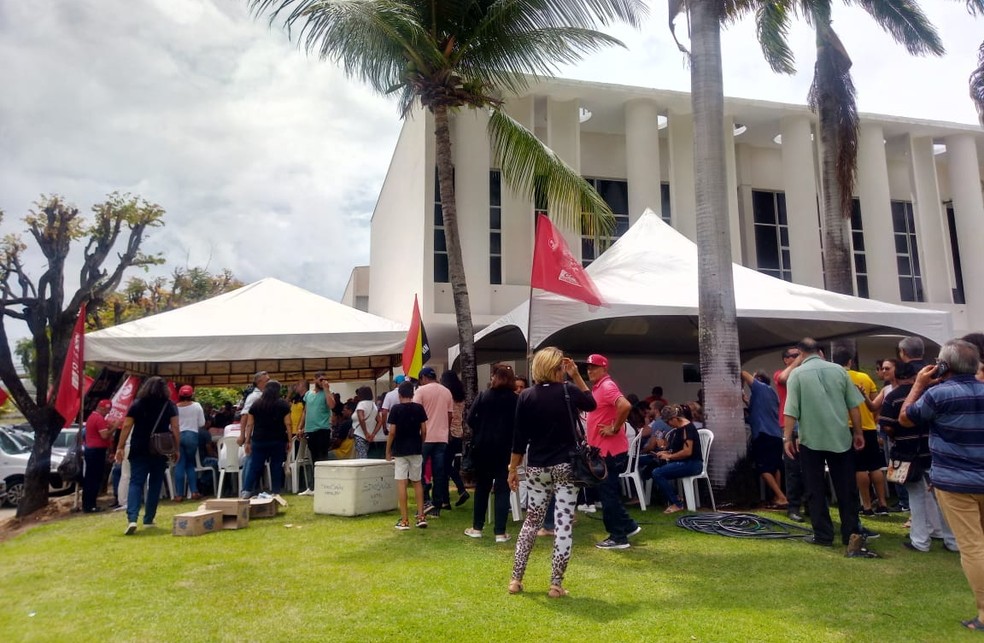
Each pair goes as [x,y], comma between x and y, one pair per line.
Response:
[408,467]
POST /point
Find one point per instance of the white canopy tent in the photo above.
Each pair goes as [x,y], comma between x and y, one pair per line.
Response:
[649,280]
[268,325]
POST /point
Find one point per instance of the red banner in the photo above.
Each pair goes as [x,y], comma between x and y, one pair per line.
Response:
[123,398]
[70,392]
[555,268]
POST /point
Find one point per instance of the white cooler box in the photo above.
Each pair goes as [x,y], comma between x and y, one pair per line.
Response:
[354,487]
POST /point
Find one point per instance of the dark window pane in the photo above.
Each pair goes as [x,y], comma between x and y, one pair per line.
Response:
[439,241]
[495,188]
[438,215]
[863,286]
[495,218]
[786,263]
[784,236]
[664,194]
[906,292]
[621,226]
[615,194]
[495,243]
[857,238]
[766,250]
[901,244]
[781,207]
[919,290]
[763,207]
[856,214]
[587,249]
[860,263]
[905,268]
[495,270]
[441,268]
[915,253]
[898,216]
[910,224]
[787,275]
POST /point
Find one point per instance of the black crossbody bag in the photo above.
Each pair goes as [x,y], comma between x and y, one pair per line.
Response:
[588,467]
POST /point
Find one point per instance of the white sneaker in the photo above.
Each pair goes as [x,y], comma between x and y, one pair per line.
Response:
[130,529]
[502,538]
[307,492]
[588,509]
[473,533]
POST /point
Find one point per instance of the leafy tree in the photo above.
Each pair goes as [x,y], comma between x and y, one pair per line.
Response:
[118,224]
[976,8]
[454,54]
[833,98]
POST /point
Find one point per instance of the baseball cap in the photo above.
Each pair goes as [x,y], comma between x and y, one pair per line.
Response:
[186,391]
[104,404]
[399,379]
[597,360]
[428,372]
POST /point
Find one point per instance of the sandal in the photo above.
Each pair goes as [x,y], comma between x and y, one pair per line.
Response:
[672,509]
[973,624]
[515,586]
[556,591]
[545,532]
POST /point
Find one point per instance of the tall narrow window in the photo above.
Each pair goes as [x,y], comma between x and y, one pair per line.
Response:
[958,291]
[771,234]
[495,227]
[664,197]
[440,246]
[616,195]
[907,252]
[857,243]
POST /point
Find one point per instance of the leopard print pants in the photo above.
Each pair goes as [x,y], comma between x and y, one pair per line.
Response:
[545,482]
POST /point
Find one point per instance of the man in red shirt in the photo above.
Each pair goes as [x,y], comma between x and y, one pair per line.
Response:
[606,430]
[98,440]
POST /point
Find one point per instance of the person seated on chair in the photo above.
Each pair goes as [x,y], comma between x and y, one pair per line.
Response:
[343,434]
[681,457]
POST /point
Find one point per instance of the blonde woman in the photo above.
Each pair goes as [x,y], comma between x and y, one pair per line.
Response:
[544,434]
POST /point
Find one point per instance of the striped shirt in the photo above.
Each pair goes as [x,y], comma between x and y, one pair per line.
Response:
[954,411]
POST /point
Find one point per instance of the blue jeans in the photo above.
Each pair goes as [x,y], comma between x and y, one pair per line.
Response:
[439,477]
[184,470]
[275,451]
[145,469]
[617,521]
[671,471]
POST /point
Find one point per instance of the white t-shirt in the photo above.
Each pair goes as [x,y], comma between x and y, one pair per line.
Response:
[191,417]
[250,399]
[368,408]
[391,399]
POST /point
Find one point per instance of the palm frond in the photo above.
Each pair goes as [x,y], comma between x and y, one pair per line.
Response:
[977,84]
[532,169]
[906,23]
[975,7]
[772,20]
[833,97]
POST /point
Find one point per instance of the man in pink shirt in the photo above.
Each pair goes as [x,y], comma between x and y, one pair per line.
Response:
[606,431]
[438,404]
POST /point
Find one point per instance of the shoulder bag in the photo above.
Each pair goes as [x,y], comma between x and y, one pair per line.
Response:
[902,470]
[588,467]
[162,442]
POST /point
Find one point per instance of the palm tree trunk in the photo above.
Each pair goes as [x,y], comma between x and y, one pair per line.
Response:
[720,363]
[456,266]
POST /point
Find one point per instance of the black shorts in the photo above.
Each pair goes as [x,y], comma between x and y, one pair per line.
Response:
[767,453]
[871,457]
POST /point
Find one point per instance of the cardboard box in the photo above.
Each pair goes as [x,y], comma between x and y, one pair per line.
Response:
[354,487]
[235,512]
[197,523]
[263,508]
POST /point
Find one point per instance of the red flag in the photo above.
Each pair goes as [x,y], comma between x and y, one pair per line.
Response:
[69,397]
[416,351]
[123,398]
[555,268]
[3,397]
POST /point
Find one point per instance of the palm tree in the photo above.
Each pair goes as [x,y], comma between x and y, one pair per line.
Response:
[833,98]
[976,7]
[452,54]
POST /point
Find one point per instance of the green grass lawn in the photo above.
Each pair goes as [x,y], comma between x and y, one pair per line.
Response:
[328,578]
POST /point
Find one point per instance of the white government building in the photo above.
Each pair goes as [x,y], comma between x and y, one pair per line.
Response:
[919,194]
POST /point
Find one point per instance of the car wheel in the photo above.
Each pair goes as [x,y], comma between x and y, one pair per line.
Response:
[15,490]
[58,487]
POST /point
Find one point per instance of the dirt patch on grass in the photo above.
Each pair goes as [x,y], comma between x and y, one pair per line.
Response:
[56,509]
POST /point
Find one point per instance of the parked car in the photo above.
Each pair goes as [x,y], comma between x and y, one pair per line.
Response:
[15,450]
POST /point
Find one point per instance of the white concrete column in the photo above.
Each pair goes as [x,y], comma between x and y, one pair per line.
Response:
[731,177]
[746,210]
[517,213]
[642,157]
[799,181]
[928,212]
[876,214]
[564,138]
[968,214]
[471,185]
[683,198]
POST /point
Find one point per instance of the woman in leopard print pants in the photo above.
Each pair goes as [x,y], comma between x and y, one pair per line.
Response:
[544,434]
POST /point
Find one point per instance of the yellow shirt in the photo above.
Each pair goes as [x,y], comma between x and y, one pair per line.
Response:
[868,388]
[296,409]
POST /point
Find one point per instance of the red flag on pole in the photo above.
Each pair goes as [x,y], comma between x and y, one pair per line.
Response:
[416,351]
[557,270]
[123,398]
[69,398]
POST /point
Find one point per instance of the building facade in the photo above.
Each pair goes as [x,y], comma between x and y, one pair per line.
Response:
[919,203]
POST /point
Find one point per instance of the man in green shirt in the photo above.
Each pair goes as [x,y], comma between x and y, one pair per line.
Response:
[821,397]
[316,420]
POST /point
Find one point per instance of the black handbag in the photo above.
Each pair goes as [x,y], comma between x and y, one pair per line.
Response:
[588,467]
[162,442]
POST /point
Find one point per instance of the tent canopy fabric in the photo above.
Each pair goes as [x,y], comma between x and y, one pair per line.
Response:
[650,283]
[267,325]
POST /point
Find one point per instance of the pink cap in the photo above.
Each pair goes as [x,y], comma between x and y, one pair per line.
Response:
[597,360]
[104,404]
[186,391]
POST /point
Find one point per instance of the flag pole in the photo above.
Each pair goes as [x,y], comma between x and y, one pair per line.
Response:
[529,312]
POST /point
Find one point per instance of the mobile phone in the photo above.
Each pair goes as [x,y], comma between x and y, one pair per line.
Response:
[942,368]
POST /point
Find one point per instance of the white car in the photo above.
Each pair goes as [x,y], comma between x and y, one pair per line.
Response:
[15,451]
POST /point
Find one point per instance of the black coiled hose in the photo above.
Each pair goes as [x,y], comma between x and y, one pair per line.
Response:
[741,525]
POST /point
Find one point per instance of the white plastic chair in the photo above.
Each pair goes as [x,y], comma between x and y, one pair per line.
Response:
[632,475]
[229,463]
[690,483]
[295,464]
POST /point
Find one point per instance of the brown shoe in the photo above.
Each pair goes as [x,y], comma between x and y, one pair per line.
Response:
[178,498]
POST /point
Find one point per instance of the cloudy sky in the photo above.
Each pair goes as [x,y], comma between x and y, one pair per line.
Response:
[268,163]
